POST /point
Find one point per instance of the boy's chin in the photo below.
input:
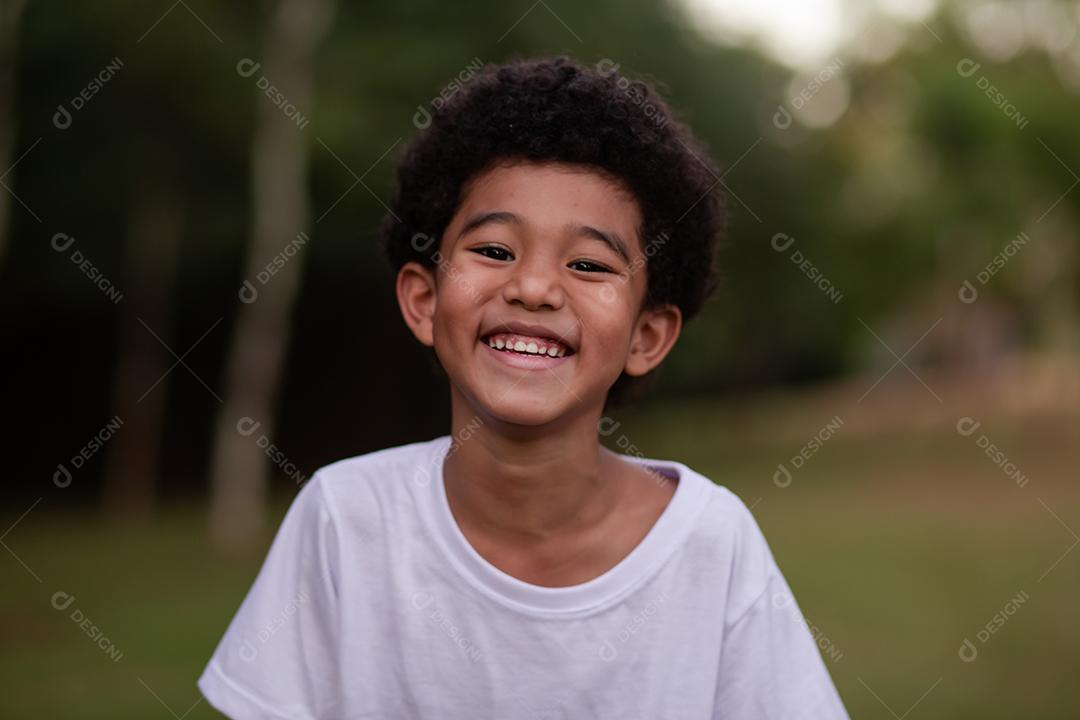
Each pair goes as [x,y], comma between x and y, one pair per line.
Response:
[520,407]
[528,416]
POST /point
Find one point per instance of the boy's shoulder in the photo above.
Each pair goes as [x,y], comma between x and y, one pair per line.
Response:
[728,539]
[724,516]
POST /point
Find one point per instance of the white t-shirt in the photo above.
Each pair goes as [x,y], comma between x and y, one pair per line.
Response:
[371,603]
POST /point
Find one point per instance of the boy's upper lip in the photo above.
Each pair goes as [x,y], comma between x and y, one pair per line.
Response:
[533,329]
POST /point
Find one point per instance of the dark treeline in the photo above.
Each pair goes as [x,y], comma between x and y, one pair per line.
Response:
[128,235]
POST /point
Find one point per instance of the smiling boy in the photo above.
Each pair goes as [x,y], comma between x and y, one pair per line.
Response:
[551,230]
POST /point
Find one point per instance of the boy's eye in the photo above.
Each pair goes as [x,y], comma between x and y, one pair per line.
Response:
[493,252]
[587,266]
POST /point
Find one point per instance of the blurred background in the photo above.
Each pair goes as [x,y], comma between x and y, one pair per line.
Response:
[195,316]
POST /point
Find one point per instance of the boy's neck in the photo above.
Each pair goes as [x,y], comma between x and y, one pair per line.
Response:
[524,485]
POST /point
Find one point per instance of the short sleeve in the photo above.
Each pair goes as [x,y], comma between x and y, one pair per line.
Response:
[278,657]
[770,666]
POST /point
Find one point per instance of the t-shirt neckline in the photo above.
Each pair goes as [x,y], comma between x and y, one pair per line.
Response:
[663,537]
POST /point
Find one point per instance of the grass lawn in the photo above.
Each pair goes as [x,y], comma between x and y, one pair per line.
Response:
[899,539]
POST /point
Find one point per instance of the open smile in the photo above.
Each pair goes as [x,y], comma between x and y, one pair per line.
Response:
[527,352]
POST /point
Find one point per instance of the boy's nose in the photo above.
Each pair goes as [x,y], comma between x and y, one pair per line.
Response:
[535,285]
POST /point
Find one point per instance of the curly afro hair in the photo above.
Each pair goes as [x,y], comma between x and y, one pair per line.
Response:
[559,110]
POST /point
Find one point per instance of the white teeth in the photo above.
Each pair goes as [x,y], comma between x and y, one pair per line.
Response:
[531,347]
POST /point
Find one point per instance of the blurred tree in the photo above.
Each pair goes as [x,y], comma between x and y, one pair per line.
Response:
[280,210]
[10,12]
[133,459]
[917,184]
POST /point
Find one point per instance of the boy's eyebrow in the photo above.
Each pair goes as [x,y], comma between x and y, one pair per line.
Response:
[499,216]
[609,238]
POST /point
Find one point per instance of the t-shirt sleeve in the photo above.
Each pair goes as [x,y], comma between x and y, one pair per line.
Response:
[770,667]
[277,658]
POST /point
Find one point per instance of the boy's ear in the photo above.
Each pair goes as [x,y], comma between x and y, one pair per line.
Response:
[416,298]
[655,333]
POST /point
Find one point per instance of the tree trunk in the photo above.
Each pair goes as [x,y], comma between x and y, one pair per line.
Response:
[133,459]
[240,471]
[10,12]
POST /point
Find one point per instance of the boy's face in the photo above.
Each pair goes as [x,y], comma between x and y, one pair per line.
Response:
[538,256]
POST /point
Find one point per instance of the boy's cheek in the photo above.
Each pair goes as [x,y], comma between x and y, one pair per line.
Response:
[464,292]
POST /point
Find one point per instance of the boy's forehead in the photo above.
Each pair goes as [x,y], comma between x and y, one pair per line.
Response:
[549,196]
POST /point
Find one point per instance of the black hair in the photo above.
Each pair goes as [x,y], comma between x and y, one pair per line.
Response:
[555,109]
